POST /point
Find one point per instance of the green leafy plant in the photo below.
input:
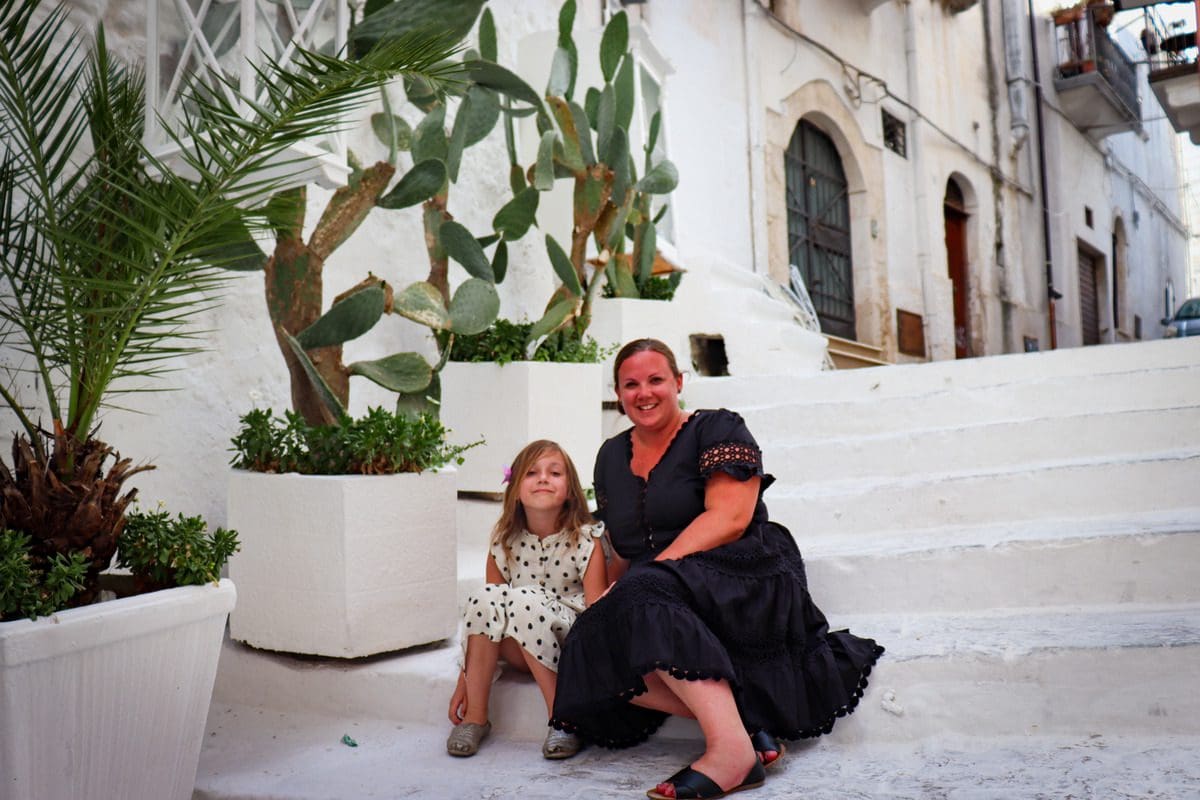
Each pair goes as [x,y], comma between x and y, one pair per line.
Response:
[27,590]
[507,341]
[109,255]
[656,287]
[611,204]
[379,443]
[162,552]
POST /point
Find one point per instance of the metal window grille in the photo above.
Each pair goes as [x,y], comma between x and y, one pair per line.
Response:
[219,43]
[895,134]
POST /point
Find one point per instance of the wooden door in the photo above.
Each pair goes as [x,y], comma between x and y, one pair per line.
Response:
[956,260]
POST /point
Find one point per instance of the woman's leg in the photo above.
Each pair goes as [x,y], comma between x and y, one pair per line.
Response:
[728,754]
[480,666]
[546,679]
[660,698]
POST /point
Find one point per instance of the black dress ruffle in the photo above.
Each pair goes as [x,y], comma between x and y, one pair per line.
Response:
[741,611]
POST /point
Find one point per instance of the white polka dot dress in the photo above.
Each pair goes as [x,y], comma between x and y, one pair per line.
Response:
[543,595]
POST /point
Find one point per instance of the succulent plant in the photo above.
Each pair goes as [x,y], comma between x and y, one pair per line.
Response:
[589,144]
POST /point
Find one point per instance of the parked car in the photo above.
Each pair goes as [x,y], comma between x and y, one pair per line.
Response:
[1186,321]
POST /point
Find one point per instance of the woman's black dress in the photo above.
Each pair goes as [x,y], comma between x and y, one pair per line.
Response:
[740,611]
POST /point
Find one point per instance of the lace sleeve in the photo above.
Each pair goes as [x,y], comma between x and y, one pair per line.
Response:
[742,461]
[726,445]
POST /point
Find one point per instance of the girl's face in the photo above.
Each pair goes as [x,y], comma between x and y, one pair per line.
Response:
[648,390]
[544,485]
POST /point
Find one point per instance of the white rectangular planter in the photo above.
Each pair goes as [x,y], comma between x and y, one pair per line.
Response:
[109,701]
[344,565]
[512,405]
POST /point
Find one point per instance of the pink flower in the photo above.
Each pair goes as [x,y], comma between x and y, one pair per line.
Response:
[507,475]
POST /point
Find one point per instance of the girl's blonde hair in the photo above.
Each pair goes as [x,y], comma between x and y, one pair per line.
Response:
[512,520]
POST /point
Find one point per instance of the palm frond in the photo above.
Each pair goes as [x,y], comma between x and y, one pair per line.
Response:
[110,255]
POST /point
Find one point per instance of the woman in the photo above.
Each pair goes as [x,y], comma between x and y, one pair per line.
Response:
[711,618]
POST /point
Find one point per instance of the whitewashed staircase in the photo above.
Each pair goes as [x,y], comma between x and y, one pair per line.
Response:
[1021,532]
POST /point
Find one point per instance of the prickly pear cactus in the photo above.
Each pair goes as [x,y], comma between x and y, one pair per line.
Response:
[456,117]
[589,145]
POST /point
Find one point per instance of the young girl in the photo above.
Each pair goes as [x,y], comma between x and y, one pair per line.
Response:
[543,569]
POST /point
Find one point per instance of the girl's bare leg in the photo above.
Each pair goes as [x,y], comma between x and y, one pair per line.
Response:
[546,678]
[728,754]
[480,665]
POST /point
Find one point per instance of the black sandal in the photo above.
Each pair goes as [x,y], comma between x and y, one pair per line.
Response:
[693,785]
[765,743]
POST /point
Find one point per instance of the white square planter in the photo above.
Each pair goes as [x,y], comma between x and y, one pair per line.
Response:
[109,701]
[344,565]
[511,405]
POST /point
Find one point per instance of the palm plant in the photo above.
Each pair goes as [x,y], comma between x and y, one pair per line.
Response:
[107,256]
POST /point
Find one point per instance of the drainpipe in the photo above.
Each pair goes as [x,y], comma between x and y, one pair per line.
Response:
[1014,67]
[1051,293]
[920,212]
[754,149]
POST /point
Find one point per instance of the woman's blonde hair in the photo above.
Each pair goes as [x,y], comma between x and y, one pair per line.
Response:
[512,520]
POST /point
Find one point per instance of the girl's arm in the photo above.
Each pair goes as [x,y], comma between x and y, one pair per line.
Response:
[595,577]
[728,508]
[492,572]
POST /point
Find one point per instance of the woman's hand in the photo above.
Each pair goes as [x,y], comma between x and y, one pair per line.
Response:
[458,700]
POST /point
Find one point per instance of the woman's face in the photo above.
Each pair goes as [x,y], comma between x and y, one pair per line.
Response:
[648,390]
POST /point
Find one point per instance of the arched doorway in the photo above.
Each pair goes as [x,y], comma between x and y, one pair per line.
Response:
[818,217]
[955,212]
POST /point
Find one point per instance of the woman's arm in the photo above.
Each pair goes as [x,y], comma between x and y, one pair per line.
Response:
[728,508]
[595,577]
[617,566]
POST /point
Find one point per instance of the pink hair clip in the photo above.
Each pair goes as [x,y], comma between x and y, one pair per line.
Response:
[507,475]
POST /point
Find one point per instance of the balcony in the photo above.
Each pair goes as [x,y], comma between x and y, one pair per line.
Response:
[1096,82]
[1174,74]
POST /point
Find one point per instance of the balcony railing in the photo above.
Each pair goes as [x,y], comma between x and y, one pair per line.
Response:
[1096,81]
[1174,76]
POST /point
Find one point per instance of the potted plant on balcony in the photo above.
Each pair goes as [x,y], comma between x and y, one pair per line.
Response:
[106,259]
[1067,14]
[612,231]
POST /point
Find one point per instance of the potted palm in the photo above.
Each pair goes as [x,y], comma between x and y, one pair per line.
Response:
[107,256]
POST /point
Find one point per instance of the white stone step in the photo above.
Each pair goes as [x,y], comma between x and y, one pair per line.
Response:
[981,446]
[773,418]
[1105,669]
[1069,489]
[1097,671]
[945,376]
[974,574]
